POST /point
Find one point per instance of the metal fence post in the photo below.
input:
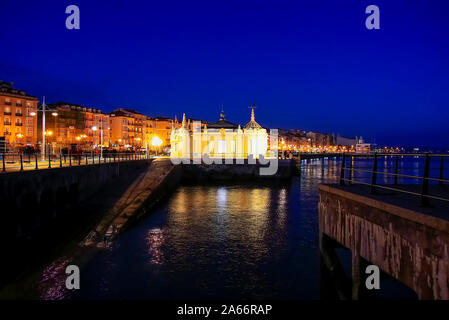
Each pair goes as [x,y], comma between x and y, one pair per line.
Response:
[49,161]
[21,163]
[60,160]
[79,159]
[374,176]
[342,170]
[441,170]
[351,171]
[4,164]
[70,159]
[396,170]
[35,159]
[87,162]
[425,183]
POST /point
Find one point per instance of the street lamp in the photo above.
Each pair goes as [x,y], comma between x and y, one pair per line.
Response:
[94,128]
[54,114]
[156,142]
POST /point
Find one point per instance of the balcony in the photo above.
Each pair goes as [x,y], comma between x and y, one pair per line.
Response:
[7,103]
[7,113]
[18,114]
[7,133]
[7,123]
[18,104]
[18,124]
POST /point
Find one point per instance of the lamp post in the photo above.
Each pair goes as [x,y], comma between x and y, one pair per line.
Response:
[54,114]
[94,128]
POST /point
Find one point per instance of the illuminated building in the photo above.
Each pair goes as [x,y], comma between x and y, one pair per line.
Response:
[127,129]
[18,121]
[159,128]
[220,139]
[74,126]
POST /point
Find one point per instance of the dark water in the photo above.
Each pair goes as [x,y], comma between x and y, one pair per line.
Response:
[219,241]
[228,241]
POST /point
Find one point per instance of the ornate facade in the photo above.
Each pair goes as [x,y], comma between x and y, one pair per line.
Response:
[220,139]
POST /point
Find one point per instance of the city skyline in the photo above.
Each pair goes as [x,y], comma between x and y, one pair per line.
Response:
[292,60]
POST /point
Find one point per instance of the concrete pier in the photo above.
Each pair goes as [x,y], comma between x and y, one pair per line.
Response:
[405,242]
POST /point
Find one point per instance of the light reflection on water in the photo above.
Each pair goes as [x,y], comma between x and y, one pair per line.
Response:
[228,241]
[245,240]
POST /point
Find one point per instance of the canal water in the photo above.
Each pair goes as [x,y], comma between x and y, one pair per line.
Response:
[226,241]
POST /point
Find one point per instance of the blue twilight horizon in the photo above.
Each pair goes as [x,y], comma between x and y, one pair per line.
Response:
[311,65]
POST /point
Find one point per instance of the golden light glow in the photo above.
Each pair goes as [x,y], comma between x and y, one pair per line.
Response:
[156,141]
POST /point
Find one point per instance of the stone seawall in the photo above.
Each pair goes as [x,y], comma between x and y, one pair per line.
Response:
[34,199]
[229,172]
[158,180]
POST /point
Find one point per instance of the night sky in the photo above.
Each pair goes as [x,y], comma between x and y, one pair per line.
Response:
[307,64]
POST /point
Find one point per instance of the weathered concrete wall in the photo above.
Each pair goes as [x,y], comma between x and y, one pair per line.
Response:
[409,246]
[30,199]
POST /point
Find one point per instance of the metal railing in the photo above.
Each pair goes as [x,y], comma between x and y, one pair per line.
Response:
[347,174]
[33,161]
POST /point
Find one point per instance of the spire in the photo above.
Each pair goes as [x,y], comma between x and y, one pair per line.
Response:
[222,114]
[176,119]
[253,106]
[183,120]
[252,124]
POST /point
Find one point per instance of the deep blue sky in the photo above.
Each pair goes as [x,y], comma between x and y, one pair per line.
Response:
[307,64]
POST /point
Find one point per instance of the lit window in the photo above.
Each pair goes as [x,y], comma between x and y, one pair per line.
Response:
[222,146]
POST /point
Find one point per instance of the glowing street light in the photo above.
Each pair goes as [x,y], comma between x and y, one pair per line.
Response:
[156,142]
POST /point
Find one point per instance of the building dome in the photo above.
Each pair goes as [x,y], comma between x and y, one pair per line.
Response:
[252,124]
[222,123]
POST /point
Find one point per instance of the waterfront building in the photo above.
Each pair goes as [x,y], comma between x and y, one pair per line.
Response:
[72,126]
[220,139]
[347,142]
[158,132]
[363,148]
[18,121]
[128,129]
